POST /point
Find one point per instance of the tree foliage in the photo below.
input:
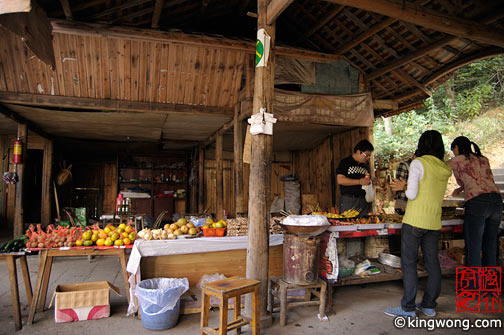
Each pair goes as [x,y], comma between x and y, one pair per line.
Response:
[456,108]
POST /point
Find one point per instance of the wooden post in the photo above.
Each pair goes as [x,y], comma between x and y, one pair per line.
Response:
[45,215]
[22,133]
[193,206]
[260,176]
[219,190]
[238,160]
[201,180]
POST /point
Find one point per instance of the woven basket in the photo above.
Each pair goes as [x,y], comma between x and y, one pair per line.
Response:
[374,245]
[64,176]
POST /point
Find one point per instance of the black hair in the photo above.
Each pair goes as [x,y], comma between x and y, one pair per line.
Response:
[363,145]
[464,147]
[431,143]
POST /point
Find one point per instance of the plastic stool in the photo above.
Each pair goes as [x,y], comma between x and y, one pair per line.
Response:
[225,289]
[279,289]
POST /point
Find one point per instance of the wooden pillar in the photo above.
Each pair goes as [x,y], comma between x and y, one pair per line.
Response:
[45,215]
[22,133]
[219,189]
[201,180]
[193,205]
[260,176]
[238,161]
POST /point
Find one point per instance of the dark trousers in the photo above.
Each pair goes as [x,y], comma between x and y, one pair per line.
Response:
[358,203]
[482,217]
[411,238]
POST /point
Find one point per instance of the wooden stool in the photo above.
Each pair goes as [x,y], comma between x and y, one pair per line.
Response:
[279,287]
[224,289]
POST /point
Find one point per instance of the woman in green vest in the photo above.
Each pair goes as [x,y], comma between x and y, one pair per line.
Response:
[425,188]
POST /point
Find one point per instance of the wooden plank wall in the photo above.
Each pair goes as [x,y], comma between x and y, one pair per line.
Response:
[5,189]
[277,169]
[104,67]
[314,166]
[109,187]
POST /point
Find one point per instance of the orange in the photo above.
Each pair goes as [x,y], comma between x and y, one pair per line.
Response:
[114,237]
[94,238]
[132,236]
[87,235]
[108,241]
[128,229]
[118,242]
[125,235]
[106,230]
[78,243]
[122,226]
[100,241]
[126,241]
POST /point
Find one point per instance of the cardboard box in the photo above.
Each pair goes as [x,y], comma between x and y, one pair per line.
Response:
[82,301]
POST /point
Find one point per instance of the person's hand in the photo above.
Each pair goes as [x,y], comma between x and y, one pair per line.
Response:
[398,184]
[365,181]
[457,191]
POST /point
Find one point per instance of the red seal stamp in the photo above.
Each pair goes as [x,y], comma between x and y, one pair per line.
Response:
[478,290]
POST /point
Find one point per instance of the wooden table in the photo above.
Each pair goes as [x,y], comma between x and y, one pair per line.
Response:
[44,271]
[10,258]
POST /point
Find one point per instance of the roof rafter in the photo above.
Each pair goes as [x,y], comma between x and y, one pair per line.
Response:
[430,19]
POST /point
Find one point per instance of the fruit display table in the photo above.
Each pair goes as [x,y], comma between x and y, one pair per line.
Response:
[45,265]
[10,258]
[192,258]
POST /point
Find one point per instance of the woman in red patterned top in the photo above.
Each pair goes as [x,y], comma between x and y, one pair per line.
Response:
[483,202]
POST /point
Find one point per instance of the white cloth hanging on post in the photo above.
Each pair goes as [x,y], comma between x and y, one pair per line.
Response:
[262,123]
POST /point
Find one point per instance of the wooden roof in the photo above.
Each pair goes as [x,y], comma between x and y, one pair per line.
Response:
[128,56]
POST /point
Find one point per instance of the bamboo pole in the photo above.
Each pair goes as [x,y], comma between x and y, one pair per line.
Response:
[260,176]
[46,183]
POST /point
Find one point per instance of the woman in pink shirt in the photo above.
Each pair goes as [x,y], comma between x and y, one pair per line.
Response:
[483,202]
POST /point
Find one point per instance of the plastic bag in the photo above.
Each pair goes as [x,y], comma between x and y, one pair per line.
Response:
[162,292]
[306,220]
[208,279]
[370,192]
[277,205]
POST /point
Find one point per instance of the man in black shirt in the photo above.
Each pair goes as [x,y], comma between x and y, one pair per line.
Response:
[352,174]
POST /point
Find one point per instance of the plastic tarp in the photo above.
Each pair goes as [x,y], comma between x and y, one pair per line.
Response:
[143,248]
[342,110]
[334,78]
[294,71]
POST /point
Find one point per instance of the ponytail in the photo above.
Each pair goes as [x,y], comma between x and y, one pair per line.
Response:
[477,151]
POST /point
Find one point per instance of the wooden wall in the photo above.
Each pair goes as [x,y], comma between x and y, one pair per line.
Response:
[277,169]
[314,166]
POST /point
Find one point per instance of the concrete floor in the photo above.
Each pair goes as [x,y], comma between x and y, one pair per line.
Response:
[357,309]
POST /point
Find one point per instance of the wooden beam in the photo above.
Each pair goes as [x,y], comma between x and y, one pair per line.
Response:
[322,23]
[35,30]
[430,19]
[118,8]
[275,8]
[260,177]
[18,229]
[372,31]
[385,104]
[450,67]
[410,80]
[193,206]
[238,160]
[21,120]
[219,187]
[14,6]
[67,9]
[101,30]
[493,15]
[201,180]
[45,215]
[158,9]
[108,105]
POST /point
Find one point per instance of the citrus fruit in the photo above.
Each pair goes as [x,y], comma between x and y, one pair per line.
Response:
[106,230]
[78,243]
[87,243]
[94,238]
[108,241]
[129,229]
[126,241]
[122,226]
[118,242]
[87,235]
[100,241]
[124,235]
[114,236]
[132,236]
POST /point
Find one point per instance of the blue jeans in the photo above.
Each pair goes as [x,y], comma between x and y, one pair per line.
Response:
[411,238]
[482,217]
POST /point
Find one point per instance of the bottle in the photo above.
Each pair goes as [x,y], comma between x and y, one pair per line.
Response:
[119,201]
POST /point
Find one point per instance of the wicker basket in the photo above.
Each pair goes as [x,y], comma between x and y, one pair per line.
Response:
[64,176]
[374,245]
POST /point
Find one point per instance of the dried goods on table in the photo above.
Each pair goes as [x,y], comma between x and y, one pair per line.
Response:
[239,226]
